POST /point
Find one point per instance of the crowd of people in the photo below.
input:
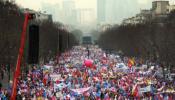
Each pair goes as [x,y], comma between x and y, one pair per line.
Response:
[89,73]
[3,78]
[2,71]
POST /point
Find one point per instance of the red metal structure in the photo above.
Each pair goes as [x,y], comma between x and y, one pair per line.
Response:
[19,59]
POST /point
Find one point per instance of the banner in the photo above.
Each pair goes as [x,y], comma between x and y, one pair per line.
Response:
[48,67]
[81,90]
[55,77]
[59,86]
[145,89]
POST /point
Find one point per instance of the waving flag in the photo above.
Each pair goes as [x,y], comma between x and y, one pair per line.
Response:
[130,63]
[135,90]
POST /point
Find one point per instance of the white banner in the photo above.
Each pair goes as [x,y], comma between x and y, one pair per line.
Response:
[55,77]
[81,90]
[59,86]
[145,89]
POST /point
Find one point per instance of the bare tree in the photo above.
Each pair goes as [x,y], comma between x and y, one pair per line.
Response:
[153,40]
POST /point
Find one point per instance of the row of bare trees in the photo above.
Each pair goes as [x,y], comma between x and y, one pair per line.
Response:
[11,20]
[154,40]
[53,38]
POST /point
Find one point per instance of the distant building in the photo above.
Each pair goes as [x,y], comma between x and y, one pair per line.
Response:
[160,8]
[87,40]
[132,21]
[69,12]
[101,11]
[104,27]
[146,12]
[113,11]
[146,15]
[171,8]
[85,16]
[117,10]
[39,16]
[51,9]
[142,17]
[68,5]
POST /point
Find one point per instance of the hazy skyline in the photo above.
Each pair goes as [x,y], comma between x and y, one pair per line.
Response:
[125,8]
[37,4]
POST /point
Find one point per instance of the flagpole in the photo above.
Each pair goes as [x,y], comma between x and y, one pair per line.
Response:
[20,55]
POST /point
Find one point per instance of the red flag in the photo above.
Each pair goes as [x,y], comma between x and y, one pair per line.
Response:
[135,91]
[44,81]
[130,63]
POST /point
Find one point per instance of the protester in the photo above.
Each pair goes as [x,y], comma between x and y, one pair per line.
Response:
[96,75]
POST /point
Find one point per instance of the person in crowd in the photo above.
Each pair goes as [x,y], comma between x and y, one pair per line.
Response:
[82,74]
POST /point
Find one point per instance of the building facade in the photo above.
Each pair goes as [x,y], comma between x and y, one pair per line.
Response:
[159,10]
[38,15]
[142,17]
[171,8]
[85,16]
[160,7]
[101,11]
[69,12]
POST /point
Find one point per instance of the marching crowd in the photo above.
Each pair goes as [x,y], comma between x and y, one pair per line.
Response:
[89,73]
